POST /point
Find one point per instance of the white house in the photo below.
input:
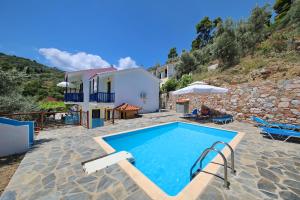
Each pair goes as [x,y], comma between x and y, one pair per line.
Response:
[98,91]
[164,72]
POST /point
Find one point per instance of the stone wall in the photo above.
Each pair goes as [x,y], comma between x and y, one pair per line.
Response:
[275,101]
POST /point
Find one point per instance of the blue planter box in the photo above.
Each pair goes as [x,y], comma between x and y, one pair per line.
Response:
[13,122]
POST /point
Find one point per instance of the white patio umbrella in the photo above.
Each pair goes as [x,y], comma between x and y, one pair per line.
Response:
[200,89]
[65,84]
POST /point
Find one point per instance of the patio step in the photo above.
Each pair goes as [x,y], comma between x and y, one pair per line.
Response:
[101,163]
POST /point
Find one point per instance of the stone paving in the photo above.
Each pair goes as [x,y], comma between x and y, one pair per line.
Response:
[52,170]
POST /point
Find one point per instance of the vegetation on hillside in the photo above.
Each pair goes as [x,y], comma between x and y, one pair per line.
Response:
[173,84]
[252,49]
[24,82]
[52,105]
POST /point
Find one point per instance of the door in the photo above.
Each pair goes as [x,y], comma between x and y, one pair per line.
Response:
[108,91]
[96,120]
[108,114]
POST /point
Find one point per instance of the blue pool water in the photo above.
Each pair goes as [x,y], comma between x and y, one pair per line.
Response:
[166,153]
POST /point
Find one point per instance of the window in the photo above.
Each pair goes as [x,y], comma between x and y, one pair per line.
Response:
[90,87]
[93,86]
[166,72]
[96,113]
[97,87]
[81,88]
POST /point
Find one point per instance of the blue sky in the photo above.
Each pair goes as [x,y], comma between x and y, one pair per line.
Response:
[78,34]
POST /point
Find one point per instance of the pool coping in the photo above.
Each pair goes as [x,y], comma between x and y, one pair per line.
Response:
[193,189]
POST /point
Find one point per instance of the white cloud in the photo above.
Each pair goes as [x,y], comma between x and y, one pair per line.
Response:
[126,63]
[72,62]
[79,61]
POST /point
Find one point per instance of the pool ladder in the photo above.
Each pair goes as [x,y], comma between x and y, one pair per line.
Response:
[205,153]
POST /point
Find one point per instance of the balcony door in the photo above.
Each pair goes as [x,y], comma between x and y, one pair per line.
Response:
[108,91]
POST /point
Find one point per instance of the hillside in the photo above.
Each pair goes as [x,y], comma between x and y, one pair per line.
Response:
[254,69]
[25,82]
[250,50]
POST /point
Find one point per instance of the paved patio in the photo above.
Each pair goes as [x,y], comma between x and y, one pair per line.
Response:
[52,169]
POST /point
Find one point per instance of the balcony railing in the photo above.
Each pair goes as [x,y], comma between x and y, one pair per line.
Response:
[74,97]
[103,97]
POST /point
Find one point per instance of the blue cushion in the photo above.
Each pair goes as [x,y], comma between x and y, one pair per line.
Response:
[276,131]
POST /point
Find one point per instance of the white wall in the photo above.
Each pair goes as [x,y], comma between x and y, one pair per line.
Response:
[13,139]
[129,85]
[103,83]
[171,70]
[86,93]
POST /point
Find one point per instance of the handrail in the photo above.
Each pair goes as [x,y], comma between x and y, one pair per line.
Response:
[201,158]
[73,97]
[205,153]
[233,171]
[103,97]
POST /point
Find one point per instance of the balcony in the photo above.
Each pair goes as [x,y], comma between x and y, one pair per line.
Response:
[103,97]
[73,97]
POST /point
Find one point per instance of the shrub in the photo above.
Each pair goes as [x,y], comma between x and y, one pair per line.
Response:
[184,81]
[170,85]
[203,55]
[277,42]
[54,105]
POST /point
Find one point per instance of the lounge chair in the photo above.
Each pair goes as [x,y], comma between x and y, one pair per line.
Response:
[280,133]
[193,114]
[262,122]
[223,119]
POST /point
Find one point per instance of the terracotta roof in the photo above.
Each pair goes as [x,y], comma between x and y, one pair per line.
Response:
[127,107]
[182,100]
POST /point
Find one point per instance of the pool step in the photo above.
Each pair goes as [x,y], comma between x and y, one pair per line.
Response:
[101,163]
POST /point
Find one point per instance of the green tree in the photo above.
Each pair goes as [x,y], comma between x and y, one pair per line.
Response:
[203,30]
[291,18]
[32,88]
[281,8]
[185,80]
[173,53]
[255,30]
[170,85]
[226,48]
[203,56]
[206,29]
[8,83]
[245,39]
[196,44]
[10,99]
[186,64]
[217,21]
[218,26]
[259,23]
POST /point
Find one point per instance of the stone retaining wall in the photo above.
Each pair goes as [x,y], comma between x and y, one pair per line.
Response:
[276,101]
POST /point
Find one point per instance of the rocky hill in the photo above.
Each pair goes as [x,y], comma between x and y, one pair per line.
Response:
[24,82]
[255,69]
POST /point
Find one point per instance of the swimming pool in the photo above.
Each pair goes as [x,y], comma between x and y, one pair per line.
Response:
[166,153]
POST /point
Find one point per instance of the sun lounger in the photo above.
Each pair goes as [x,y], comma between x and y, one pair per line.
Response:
[193,114]
[223,120]
[280,133]
[262,122]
